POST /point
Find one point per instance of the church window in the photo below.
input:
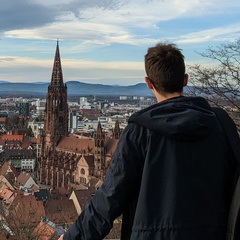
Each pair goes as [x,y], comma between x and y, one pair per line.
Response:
[82,180]
[60,105]
[82,171]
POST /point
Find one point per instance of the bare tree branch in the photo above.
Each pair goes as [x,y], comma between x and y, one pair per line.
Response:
[220,84]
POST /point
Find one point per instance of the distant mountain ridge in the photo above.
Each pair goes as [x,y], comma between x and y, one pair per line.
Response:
[74,88]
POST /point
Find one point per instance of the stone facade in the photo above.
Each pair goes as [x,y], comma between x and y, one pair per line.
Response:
[65,159]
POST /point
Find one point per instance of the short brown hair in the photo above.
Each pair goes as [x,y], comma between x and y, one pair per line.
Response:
[165,67]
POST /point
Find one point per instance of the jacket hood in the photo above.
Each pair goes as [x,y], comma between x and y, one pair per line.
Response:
[181,118]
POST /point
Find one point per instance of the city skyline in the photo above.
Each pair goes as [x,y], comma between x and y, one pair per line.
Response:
[105,41]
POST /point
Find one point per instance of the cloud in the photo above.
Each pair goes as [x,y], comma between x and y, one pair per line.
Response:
[69,63]
[28,14]
[220,34]
[112,21]
[25,70]
[24,14]
[133,13]
[6,59]
[22,65]
[134,22]
[105,32]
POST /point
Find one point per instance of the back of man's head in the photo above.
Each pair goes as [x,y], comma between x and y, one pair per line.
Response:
[165,67]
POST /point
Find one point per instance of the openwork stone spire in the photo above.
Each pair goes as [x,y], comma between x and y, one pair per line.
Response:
[57,76]
[55,124]
[56,109]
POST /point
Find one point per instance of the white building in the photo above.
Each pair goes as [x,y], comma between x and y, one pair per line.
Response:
[40,106]
[28,164]
[25,180]
[84,104]
[36,127]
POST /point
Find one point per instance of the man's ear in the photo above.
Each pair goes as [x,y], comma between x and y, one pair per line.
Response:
[185,80]
[148,82]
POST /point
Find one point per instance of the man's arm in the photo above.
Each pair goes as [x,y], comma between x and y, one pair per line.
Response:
[123,174]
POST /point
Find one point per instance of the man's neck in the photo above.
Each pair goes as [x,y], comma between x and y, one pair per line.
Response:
[165,96]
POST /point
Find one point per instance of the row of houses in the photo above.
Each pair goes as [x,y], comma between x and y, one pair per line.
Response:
[31,211]
[21,151]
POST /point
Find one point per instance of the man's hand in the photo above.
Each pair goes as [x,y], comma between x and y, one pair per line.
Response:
[61,237]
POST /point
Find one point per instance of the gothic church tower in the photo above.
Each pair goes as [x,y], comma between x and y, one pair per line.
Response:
[99,156]
[56,109]
[117,130]
[55,120]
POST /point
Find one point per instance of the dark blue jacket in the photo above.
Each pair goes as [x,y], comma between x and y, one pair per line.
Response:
[170,177]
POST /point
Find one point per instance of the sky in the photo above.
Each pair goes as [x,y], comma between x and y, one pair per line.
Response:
[104,41]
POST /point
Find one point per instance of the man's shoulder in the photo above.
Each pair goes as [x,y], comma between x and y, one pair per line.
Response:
[134,132]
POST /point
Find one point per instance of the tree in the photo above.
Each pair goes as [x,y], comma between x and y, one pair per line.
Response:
[22,219]
[29,132]
[220,83]
[13,122]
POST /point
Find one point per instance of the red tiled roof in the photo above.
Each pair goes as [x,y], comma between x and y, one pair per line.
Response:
[26,211]
[3,119]
[23,178]
[89,159]
[84,196]
[38,141]
[33,139]
[4,170]
[110,145]
[43,231]
[59,209]
[95,182]
[5,193]
[12,137]
[76,145]
[62,190]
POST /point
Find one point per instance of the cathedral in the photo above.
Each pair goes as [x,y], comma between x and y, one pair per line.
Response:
[66,160]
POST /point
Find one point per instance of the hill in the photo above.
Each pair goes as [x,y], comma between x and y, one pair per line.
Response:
[74,88]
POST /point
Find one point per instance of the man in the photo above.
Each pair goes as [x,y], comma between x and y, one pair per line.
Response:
[170,175]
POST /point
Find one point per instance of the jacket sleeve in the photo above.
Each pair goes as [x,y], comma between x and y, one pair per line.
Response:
[124,173]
